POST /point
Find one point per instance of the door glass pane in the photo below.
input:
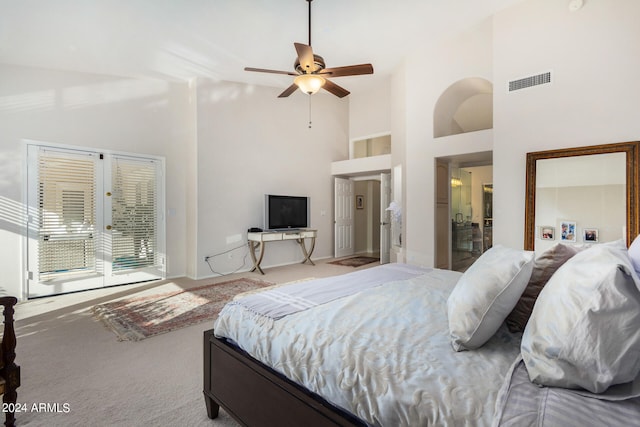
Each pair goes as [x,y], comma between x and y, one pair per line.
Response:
[66,214]
[134,214]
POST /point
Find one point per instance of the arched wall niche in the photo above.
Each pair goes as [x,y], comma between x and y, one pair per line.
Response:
[465,106]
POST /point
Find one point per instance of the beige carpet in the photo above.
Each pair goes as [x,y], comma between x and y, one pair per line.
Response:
[67,356]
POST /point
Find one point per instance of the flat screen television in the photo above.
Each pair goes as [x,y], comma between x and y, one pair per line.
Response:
[286,212]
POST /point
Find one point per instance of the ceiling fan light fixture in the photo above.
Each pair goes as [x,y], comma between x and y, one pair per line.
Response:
[309,69]
[309,83]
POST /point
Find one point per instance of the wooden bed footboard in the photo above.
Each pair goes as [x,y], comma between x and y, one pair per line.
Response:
[9,371]
[256,395]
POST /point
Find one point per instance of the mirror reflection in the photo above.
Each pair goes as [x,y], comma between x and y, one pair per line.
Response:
[583,195]
[580,199]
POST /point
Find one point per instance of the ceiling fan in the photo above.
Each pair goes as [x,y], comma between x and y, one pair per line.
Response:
[310,72]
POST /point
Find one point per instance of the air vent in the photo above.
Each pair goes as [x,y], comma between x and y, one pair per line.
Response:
[530,81]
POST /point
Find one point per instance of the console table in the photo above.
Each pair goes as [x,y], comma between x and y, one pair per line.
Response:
[255,240]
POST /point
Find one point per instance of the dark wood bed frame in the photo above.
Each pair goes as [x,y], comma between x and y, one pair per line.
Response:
[9,371]
[255,395]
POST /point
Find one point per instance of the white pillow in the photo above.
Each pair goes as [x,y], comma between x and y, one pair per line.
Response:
[584,331]
[634,253]
[485,295]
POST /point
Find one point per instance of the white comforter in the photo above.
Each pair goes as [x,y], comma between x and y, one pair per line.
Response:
[383,354]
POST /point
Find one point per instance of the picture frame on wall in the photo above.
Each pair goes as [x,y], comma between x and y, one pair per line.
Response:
[547,232]
[359,201]
[568,231]
[590,235]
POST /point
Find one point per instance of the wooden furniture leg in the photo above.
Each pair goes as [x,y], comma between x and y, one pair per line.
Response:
[10,372]
[307,254]
[252,251]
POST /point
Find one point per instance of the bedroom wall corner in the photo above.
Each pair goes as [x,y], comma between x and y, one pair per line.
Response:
[190,170]
[251,143]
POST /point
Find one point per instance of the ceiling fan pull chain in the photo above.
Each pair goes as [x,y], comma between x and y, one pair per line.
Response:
[309,112]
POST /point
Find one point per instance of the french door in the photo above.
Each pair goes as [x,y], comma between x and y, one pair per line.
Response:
[95,220]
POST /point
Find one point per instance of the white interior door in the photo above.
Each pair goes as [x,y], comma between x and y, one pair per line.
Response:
[385,218]
[344,217]
[95,220]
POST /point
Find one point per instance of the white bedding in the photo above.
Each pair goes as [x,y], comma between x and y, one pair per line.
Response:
[280,301]
[521,403]
[383,354]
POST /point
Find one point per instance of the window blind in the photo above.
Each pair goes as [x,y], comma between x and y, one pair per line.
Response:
[133,214]
[67,206]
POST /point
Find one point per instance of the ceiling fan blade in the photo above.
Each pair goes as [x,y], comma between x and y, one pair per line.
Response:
[263,70]
[288,91]
[349,70]
[338,91]
[305,57]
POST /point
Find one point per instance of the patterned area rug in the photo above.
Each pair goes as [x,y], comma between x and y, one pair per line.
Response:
[137,318]
[355,261]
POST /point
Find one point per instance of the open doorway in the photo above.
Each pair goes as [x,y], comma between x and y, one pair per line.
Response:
[464,209]
[362,223]
[362,186]
[367,218]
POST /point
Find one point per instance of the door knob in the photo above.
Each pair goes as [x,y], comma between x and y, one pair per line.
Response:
[108,227]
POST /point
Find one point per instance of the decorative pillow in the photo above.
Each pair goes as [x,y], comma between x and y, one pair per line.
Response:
[584,331]
[485,294]
[634,253]
[543,268]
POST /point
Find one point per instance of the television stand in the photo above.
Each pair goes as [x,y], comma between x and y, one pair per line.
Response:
[259,239]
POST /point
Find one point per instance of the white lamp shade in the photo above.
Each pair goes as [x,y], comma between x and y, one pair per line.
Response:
[309,83]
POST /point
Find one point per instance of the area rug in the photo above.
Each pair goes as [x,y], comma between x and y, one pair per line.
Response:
[137,318]
[355,261]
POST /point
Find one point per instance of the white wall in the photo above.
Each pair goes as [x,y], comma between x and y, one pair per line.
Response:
[191,179]
[370,109]
[595,58]
[593,100]
[225,145]
[251,143]
[427,77]
[88,110]
[398,118]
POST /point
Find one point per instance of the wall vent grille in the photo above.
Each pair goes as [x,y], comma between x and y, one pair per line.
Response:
[530,81]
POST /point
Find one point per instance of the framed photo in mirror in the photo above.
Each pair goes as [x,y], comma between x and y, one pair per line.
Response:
[547,232]
[590,235]
[568,231]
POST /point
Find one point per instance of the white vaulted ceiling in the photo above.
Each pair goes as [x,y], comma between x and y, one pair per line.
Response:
[181,39]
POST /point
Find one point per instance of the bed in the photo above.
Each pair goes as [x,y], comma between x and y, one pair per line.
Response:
[401,345]
[9,371]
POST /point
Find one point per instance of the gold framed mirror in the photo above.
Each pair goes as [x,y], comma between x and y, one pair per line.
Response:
[627,168]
